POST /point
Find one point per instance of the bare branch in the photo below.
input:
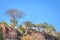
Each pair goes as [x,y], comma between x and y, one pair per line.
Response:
[14,13]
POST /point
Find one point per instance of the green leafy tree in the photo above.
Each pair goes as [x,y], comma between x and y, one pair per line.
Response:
[51,27]
[39,26]
[27,25]
[48,27]
[20,29]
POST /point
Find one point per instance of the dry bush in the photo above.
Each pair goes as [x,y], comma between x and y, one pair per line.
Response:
[27,38]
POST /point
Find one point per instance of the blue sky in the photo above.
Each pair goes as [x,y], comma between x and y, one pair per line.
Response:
[37,11]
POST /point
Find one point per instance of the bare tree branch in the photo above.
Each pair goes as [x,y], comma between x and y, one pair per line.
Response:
[14,13]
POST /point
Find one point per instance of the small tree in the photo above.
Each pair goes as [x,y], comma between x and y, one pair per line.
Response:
[28,24]
[14,14]
[39,26]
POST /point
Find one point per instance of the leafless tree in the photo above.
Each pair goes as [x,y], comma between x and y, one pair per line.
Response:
[14,13]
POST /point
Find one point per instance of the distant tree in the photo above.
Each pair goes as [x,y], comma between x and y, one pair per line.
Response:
[45,24]
[14,14]
[27,24]
[20,28]
[39,26]
[51,27]
[48,28]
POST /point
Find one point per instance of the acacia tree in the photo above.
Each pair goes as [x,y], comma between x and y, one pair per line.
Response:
[14,14]
[28,24]
[39,26]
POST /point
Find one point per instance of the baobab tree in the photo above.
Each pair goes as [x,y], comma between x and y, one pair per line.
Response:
[14,14]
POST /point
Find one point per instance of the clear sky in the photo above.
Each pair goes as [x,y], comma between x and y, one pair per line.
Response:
[37,11]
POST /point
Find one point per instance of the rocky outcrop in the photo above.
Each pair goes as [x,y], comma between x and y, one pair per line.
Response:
[37,35]
[40,35]
[9,33]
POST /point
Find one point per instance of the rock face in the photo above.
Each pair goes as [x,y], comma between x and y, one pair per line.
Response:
[37,35]
[40,35]
[8,33]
